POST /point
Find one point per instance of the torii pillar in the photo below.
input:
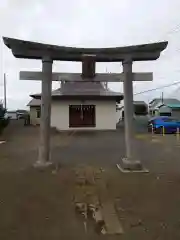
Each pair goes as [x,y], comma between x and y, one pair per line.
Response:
[129,161]
[45,120]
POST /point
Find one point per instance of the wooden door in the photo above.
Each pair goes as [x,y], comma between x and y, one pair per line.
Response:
[74,116]
[89,115]
[82,116]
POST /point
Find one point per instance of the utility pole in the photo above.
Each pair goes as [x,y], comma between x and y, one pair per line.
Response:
[5,99]
[106,83]
[162,98]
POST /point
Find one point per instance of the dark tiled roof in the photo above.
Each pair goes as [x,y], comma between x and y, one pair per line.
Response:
[139,102]
[83,89]
[34,102]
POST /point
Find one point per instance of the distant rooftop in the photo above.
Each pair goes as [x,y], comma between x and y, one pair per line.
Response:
[165,101]
[171,105]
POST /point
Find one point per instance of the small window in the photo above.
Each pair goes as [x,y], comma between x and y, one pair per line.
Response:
[165,114]
[38,112]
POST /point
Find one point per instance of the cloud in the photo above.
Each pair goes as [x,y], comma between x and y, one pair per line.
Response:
[90,23]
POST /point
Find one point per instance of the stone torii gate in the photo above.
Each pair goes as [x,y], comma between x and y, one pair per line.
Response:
[88,57]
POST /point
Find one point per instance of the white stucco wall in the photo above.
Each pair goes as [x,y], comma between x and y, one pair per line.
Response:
[176,113]
[106,116]
[33,116]
[165,109]
[12,115]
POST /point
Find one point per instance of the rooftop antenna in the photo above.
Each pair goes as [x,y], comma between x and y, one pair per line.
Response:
[162,97]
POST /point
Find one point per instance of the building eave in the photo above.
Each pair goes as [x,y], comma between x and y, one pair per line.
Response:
[34,106]
[116,98]
[34,50]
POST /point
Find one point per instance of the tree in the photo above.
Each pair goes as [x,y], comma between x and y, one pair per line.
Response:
[3,120]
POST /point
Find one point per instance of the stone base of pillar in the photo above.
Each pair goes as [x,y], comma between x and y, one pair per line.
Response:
[131,165]
[41,165]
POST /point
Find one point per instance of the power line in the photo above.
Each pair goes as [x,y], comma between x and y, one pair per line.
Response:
[161,87]
[174,93]
[174,30]
[167,34]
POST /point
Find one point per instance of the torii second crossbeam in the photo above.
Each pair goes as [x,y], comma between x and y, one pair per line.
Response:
[99,77]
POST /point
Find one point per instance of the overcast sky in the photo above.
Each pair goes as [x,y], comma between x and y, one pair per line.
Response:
[90,23]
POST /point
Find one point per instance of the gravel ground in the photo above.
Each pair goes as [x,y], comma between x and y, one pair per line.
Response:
[38,204]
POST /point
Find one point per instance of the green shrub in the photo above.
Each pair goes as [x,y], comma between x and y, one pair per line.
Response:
[3,121]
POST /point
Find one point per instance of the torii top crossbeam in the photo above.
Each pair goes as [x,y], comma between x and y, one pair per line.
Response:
[33,50]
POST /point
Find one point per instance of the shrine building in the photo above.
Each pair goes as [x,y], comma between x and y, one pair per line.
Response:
[79,106]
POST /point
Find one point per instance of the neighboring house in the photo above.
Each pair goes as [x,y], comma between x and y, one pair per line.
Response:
[21,113]
[140,109]
[79,105]
[165,107]
[12,115]
[119,113]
